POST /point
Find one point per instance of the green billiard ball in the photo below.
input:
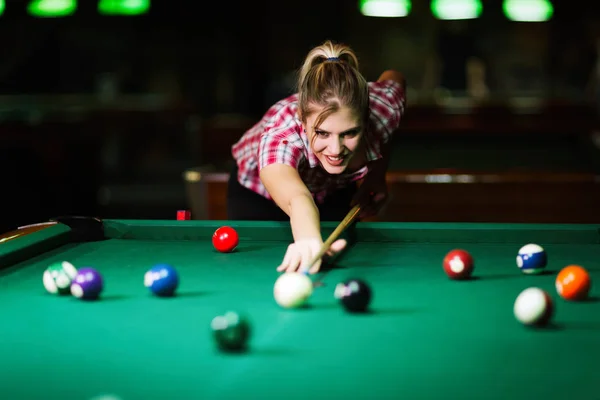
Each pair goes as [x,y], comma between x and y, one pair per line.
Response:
[57,277]
[231,331]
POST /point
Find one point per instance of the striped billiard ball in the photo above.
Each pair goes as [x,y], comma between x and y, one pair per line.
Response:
[57,277]
[532,259]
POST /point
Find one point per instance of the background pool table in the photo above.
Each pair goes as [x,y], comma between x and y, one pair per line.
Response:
[426,336]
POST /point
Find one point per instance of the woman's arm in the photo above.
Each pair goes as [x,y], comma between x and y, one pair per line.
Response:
[291,195]
[393,75]
[374,187]
[381,166]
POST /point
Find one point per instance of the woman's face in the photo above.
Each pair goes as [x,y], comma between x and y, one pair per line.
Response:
[336,140]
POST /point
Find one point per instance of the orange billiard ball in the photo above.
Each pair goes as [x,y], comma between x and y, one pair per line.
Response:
[458,264]
[573,283]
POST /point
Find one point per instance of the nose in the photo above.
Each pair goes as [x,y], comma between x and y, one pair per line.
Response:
[336,145]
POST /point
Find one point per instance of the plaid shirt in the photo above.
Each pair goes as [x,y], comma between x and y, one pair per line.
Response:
[278,138]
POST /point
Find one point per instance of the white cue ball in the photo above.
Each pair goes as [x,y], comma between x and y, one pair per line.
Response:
[533,307]
[292,289]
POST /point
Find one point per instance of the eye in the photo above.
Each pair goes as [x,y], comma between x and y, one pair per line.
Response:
[351,134]
[321,133]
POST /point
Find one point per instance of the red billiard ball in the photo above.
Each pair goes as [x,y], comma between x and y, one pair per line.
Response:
[458,264]
[225,239]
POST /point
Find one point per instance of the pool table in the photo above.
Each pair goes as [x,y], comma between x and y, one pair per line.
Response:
[425,337]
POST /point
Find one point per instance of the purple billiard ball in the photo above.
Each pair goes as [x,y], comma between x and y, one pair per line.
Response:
[162,280]
[87,284]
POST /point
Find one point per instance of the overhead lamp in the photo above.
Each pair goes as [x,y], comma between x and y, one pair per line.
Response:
[385,8]
[52,8]
[456,9]
[123,7]
[528,10]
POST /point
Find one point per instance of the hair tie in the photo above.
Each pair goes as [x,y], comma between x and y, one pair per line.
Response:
[333,59]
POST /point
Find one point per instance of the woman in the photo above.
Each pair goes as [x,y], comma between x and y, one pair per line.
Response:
[303,160]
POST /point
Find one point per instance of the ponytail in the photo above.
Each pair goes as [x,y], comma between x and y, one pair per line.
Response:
[330,78]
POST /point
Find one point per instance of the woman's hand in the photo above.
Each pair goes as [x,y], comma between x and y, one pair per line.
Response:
[300,253]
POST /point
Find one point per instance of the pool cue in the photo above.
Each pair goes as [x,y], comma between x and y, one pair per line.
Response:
[348,219]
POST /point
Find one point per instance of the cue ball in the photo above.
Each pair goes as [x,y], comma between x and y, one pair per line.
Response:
[573,282]
[292,289]
[532,259]
[225,239]
[231,331]
[58,277]
[87,284]
[533,307]
[458,264]
[162,280]
[354,295]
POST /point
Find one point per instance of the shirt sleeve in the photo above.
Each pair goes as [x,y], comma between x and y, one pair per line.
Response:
[387,103]
[278,148]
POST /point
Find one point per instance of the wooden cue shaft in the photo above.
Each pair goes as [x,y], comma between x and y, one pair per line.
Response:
[348,219]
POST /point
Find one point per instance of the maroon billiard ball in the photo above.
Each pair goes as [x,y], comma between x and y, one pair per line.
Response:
[458,264]
[225,239]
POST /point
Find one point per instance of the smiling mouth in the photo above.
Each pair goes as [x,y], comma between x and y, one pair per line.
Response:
[335,160]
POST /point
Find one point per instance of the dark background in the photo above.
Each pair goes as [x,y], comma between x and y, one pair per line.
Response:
[104,115]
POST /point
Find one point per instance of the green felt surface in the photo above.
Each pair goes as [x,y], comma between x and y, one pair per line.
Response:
[426,338]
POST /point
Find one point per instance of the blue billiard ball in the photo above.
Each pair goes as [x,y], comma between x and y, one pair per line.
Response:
[532,259]
[162,280]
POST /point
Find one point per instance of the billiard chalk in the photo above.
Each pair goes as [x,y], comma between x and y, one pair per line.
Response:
[184,215]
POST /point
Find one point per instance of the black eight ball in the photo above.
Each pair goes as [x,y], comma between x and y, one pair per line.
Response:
[354,295]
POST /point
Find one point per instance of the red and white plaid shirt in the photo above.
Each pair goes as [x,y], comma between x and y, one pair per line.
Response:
[278,138]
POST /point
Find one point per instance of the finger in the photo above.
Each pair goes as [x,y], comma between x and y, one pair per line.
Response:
[338,245]
[294,262]
[307,255]
[284,264]
[315,267]
[286,259]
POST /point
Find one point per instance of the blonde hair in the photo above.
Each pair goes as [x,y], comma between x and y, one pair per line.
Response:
[330,79]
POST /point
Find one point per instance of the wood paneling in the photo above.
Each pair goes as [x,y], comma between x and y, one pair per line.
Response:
[458,197]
